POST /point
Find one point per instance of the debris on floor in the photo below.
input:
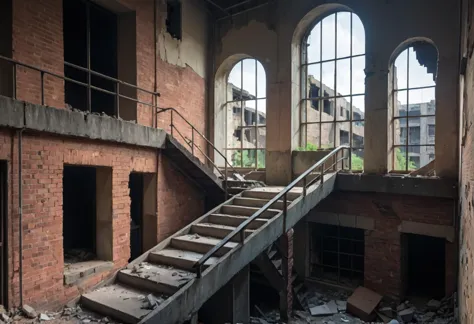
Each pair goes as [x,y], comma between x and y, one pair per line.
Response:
[328,305]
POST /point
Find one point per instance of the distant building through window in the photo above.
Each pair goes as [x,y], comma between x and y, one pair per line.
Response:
[246,115]
[333,90]
[414,106]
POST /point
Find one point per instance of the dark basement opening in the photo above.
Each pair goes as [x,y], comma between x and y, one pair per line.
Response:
[3,232]
[337,254]
[136,186]
[424,264]
[6,49]
[79,214]
[83,18]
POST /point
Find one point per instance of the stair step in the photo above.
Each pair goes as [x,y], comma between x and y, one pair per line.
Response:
[247,211]
[155,278]
[270,192]
[125,304]
[200,244]
[216,230]
[234,220]
[277,263]
[271,254]
[257,202]
[179,258]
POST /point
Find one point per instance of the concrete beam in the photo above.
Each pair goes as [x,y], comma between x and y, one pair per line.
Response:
[345,220]
[428,187]
[442,231]
[18,114]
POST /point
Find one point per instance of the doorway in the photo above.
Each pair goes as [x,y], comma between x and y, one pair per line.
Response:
[423,266]
[6,68]
[135,185]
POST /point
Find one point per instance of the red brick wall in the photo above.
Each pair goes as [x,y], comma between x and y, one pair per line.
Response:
[382,245]
[179,202]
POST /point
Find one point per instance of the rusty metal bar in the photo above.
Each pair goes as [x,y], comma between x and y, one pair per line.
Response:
[117,99]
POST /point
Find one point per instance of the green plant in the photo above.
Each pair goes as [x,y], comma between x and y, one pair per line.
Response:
[248,159]
[401,161]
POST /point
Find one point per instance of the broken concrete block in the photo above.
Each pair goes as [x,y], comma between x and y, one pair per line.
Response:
[401,307]
[29,311]
[433,305]
[150,299]
[407,314]
[341,305]
[332,306]
[363,302]
[321,310]
[44,317]
[5,318]
[387,311]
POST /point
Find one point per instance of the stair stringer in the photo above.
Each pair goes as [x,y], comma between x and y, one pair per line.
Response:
[189,299]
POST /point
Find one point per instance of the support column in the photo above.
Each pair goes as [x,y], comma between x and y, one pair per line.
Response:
[231,304]
[286,294]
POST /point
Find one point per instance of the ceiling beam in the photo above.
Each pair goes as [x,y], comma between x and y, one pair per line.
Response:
[218,7]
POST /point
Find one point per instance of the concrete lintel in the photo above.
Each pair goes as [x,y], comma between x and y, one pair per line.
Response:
[416,186]
[345,220]
[18,114]
[77,272]
[442,231]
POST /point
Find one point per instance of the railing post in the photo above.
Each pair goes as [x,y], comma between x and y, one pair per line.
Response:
[225,179]
[199,271]
[42,88]
[242,236]
[14,81]
[117,99]
[285,212]
[192,140]
[171,122]
[304,187]
[322,173]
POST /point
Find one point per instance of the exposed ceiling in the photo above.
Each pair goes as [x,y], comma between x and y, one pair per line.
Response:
[227,8]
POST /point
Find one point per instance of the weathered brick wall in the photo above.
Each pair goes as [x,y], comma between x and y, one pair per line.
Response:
[179,202]
[382,245]
[466,192]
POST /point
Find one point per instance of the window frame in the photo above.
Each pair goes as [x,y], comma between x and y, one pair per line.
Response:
[409,148]
[257,126]
[305,95]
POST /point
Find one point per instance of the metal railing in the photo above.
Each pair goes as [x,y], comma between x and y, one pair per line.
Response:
[319,168]
[194,146]
[118,88]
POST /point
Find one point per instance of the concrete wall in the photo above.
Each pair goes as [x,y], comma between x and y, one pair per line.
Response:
[384,217]
[273,33]
[466,188]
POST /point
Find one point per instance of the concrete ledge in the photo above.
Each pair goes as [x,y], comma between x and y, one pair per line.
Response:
[429,187]
[345,220]
[77,272]
[442,231]
[18,114]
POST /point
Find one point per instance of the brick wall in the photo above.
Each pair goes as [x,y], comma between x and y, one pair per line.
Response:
[43,161]
[179,202]
[382,245]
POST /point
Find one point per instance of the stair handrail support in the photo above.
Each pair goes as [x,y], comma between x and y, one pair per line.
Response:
[192,143]
[282,194]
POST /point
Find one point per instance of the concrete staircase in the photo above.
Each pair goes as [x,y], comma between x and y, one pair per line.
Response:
[161,286]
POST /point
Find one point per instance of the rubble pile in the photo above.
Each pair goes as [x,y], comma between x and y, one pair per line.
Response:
[333,306]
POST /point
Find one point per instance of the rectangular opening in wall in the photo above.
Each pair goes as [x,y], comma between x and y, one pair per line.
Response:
[173,18]
[423,265]
[90,42]
[135,185]
[337,254]
[3,232]
[6,69]
[79,214]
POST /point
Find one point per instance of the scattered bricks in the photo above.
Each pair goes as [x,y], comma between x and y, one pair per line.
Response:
[363,302]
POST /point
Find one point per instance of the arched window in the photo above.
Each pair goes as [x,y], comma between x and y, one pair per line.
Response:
[333,85]
[414,106]
[246,114]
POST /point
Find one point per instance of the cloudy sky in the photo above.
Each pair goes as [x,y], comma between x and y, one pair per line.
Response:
[253,75]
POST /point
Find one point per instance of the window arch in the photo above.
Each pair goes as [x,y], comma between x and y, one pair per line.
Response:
[333,85]
[413,80]
[246,114]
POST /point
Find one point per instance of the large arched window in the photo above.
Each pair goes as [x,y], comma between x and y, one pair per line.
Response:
[333,85]
[246,115]
[414,106]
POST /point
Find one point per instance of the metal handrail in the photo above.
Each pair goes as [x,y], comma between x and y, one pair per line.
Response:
[194,130]
[282,194]
[116,93]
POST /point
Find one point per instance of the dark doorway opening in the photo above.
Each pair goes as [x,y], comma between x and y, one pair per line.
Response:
[90,41]
[337,254]
[3,232]
[423,264]
[6,68]
[79,214]
[136,185]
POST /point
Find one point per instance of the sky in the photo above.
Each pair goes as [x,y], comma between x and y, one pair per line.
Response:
[326,49]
